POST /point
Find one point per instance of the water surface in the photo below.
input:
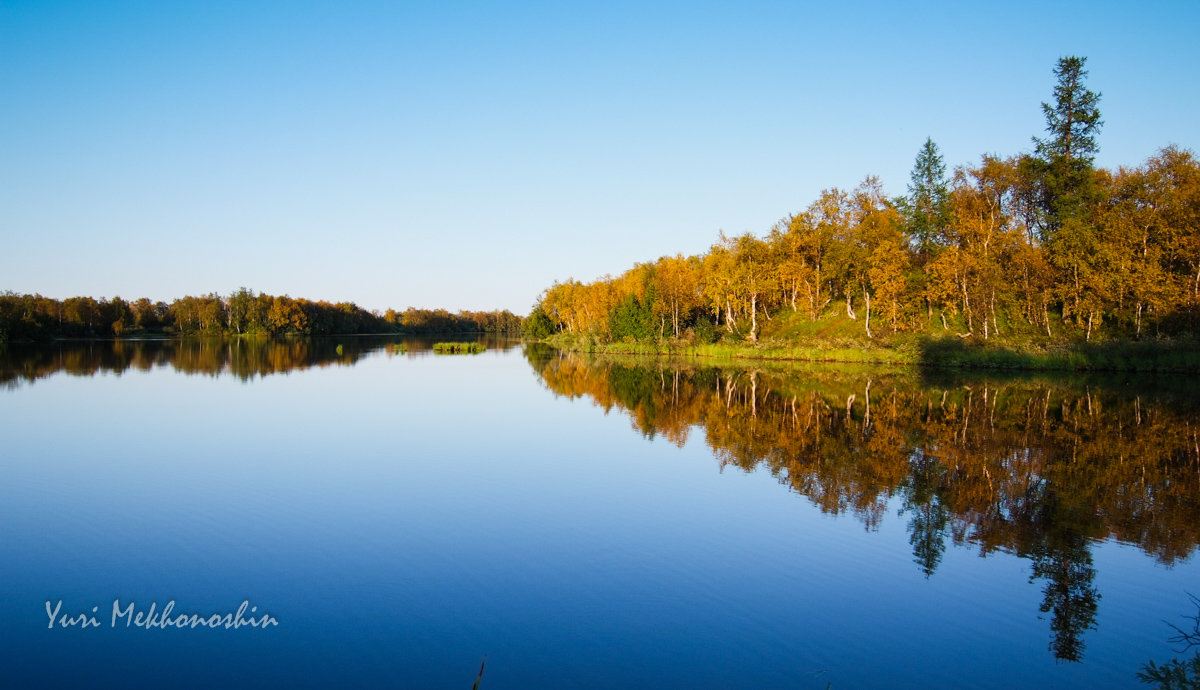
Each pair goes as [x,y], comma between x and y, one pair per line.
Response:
[585,523]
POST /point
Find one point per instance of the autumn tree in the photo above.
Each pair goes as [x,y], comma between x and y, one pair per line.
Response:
[804,247]
[984,238]
[1175,174]
[718,279]
[679,286]
[871,252]
[833,228]
[1131,245]
[752,275]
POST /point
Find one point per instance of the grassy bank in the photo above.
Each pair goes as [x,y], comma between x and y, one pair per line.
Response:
[774,350]
[1144,356]
[837,339]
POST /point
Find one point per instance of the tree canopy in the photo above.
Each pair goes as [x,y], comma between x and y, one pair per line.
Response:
[1039,245]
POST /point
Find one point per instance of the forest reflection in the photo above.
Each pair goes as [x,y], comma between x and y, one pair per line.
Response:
[243,358]
[1037,467]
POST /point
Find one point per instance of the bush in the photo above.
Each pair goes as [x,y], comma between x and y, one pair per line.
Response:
[705,331]
[632,318]
[537,325]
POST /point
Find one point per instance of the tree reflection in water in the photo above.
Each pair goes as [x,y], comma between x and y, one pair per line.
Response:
[1037,467]
[241,357]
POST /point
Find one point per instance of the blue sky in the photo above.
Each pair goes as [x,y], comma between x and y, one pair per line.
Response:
[465,155]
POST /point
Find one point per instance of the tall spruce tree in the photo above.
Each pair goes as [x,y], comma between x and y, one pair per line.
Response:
[1067,153]
[926,208]
[1069,195]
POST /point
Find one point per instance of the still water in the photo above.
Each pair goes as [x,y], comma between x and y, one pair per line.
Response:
[394,516]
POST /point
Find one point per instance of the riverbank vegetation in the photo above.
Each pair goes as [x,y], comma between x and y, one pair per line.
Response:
[34,317]
[1037,259]
[835,338]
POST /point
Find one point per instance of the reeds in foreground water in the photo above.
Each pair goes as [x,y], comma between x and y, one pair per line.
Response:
[458,348]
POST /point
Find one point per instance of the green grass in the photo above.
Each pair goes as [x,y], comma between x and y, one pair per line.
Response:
[836,338]
[458,348]
[1118,355]
[773,349]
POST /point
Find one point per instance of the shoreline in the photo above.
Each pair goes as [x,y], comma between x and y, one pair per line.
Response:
[1150,357]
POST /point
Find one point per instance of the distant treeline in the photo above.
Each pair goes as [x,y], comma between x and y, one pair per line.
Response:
[1037,245]
[34,317]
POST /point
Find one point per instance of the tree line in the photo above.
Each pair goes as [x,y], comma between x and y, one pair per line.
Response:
[1036,244]
[35,317]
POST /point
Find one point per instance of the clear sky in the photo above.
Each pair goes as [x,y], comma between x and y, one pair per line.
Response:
[465,155]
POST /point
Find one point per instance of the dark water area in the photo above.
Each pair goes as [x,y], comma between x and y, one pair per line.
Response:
[396,515]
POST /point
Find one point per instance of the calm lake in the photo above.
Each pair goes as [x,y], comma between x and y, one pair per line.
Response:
[393,516]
